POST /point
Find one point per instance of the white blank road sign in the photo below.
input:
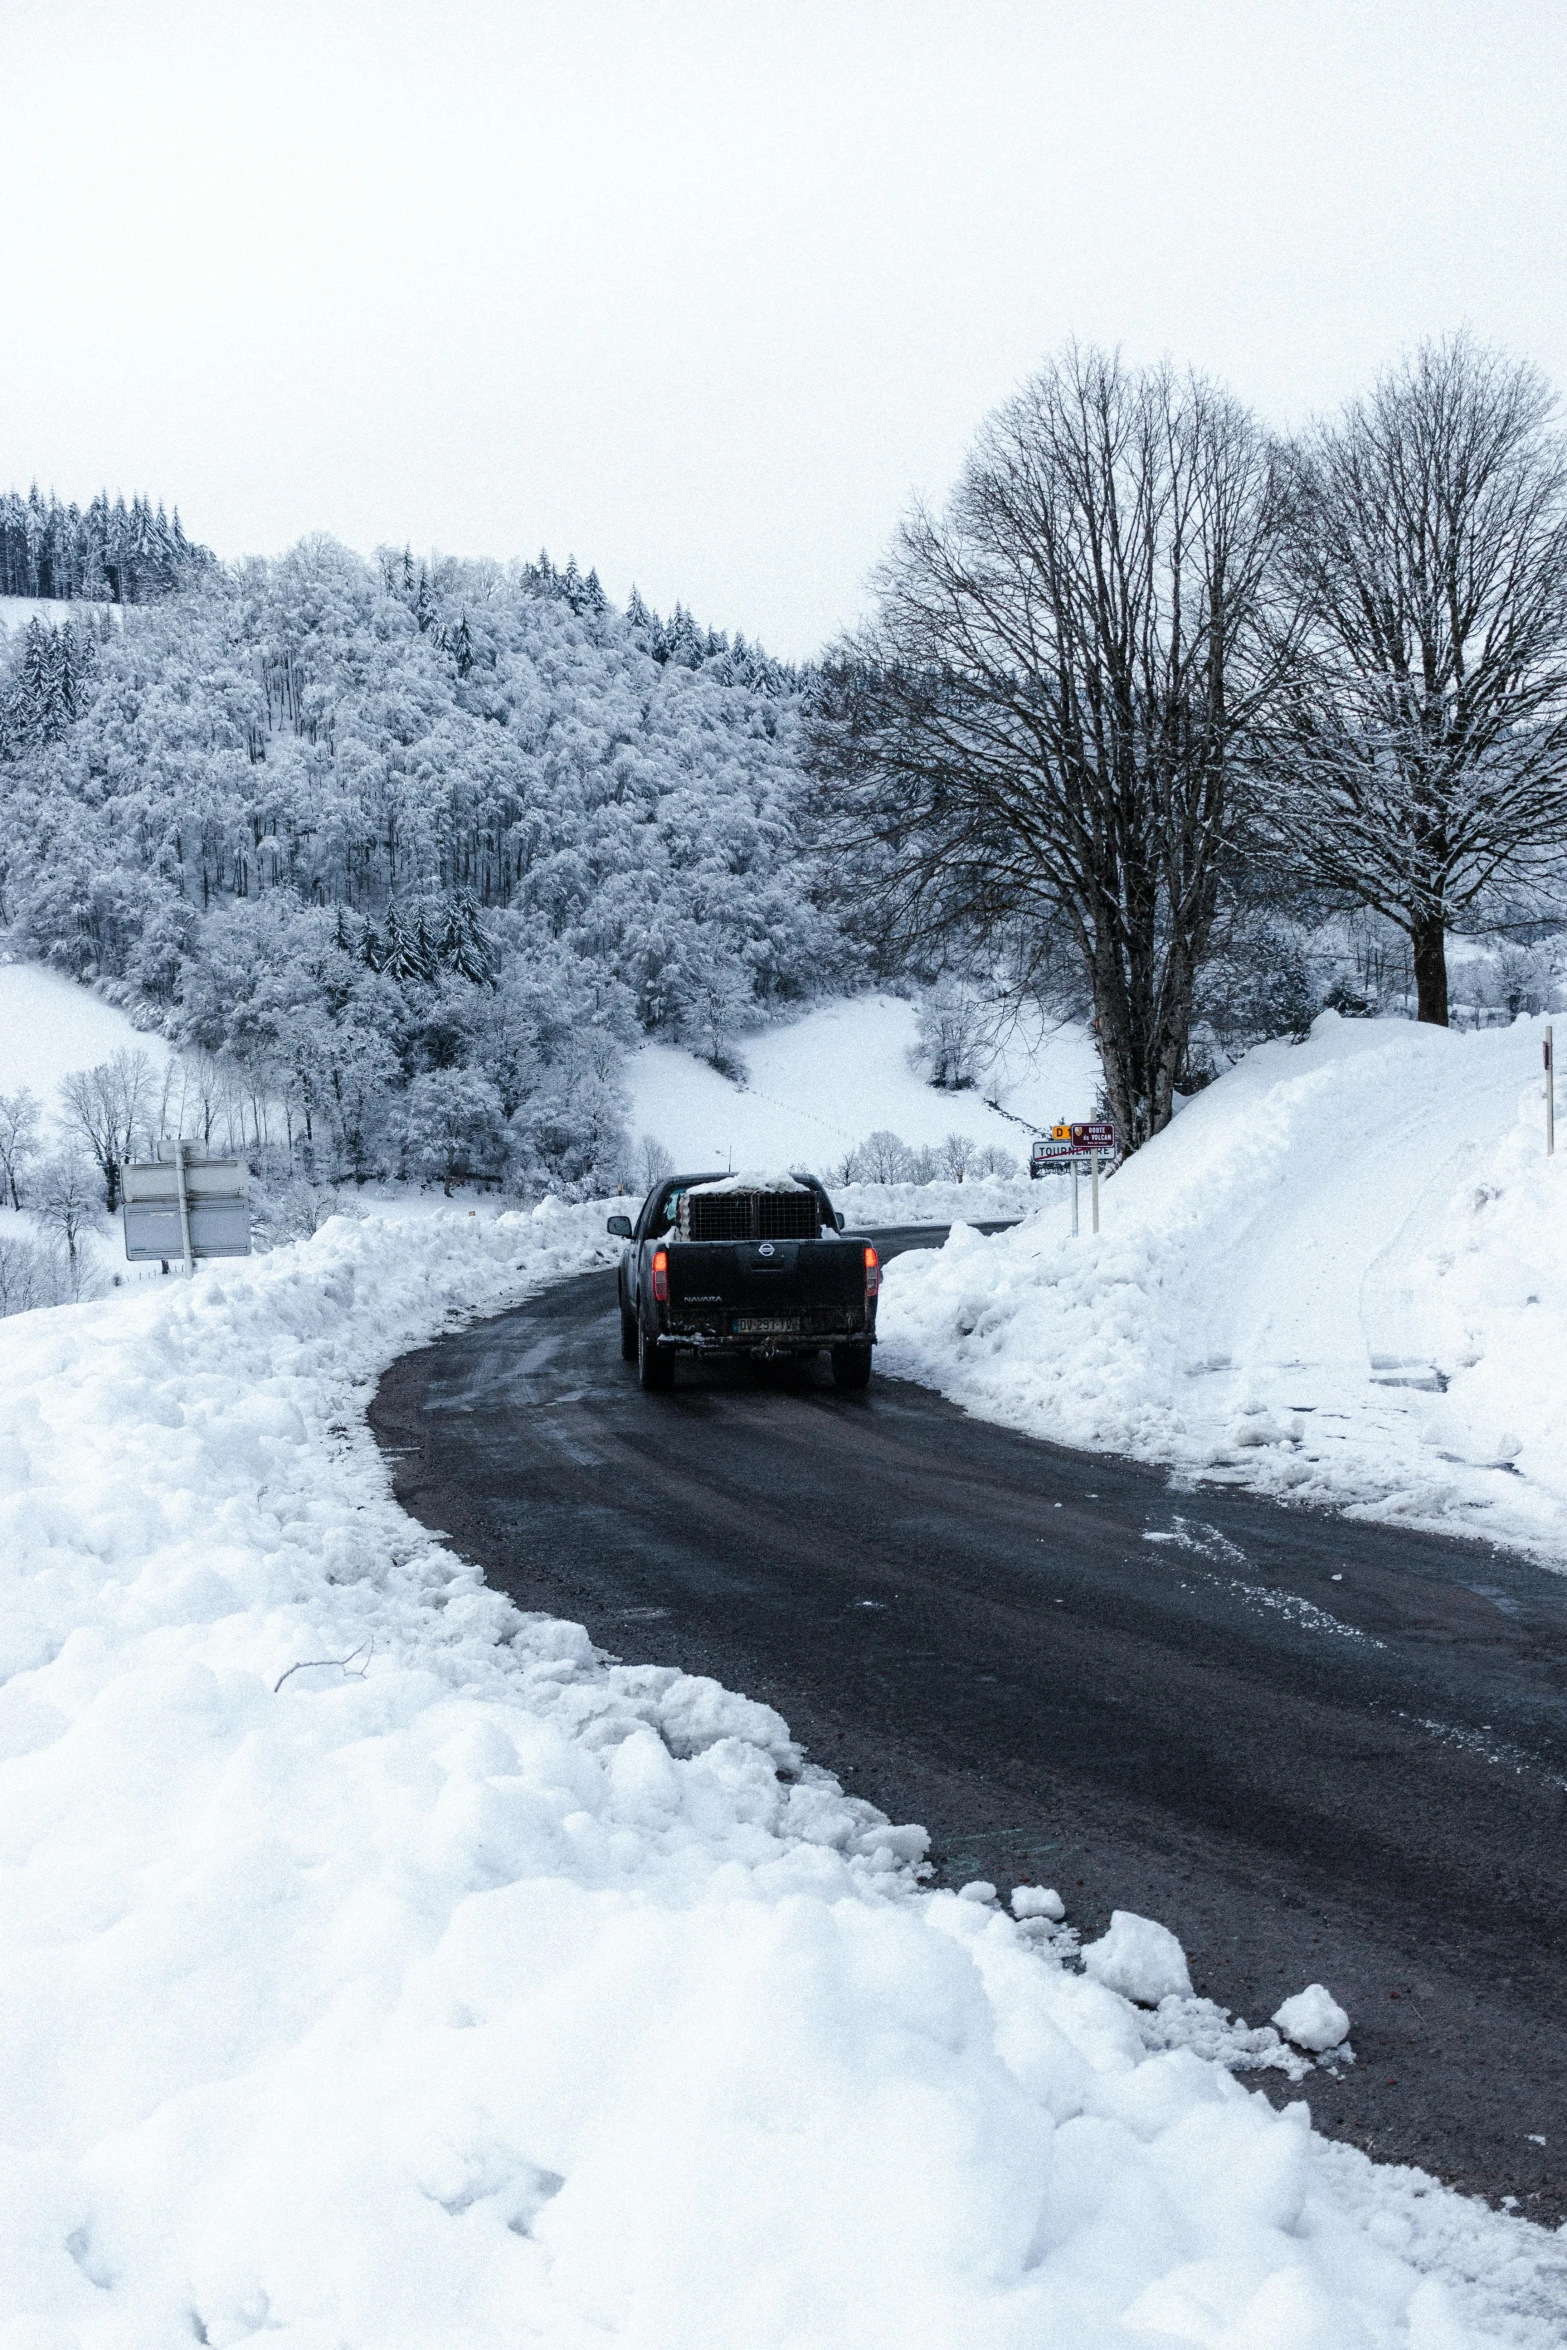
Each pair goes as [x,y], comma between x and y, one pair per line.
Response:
[218,1194]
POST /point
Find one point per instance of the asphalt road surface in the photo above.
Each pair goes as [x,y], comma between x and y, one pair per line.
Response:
[1318,1751]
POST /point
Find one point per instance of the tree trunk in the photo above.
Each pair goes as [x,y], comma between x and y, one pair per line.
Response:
[1428,938]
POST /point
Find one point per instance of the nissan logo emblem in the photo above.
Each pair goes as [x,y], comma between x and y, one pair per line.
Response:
[766,1249]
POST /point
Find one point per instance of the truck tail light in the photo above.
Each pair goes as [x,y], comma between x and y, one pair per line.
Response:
[872,1271]
[661,1275]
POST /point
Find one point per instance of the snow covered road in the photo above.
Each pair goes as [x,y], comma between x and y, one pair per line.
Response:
[1307,1745]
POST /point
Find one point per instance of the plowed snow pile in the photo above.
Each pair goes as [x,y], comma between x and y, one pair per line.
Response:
[461,1987]
[1340,1276]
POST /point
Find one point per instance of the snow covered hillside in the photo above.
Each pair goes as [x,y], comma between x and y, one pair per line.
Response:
[381,1967]
[54,611]
[818,1085]
[573,826]
[1340,1276]
[50,1026]
[17,611]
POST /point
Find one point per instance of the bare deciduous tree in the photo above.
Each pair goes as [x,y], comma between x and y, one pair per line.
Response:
[107,1109]
[652,1163]
[1040,729]
[1423,740]
[20,1115]
[884,1157]
[950,1028]
[67,1203]
[26,1275]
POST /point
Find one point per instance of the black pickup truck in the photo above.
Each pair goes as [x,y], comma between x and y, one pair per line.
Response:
[738,1265]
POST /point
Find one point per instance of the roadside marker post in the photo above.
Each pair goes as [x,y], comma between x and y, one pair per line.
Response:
[179,1177]
[1550,1091]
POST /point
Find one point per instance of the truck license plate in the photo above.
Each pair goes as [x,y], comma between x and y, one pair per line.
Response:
[765,1326]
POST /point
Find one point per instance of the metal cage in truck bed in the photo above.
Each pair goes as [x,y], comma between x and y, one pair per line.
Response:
[750,1215]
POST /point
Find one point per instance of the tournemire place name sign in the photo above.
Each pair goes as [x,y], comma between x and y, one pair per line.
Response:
[1066,1147]
[1081,1141]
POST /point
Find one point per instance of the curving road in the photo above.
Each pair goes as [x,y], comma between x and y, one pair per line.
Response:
[1073,1673]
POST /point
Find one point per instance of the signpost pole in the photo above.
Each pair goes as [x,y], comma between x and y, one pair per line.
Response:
[1093,1161]
[179,1177]
[1074,1199]
[1550,1091]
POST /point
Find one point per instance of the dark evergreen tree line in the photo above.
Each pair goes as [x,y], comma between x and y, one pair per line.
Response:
[49,687]
[680,639]
[105,553]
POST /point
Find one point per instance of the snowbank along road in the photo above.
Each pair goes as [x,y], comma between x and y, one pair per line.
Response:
[1317,1750]
[1340,1278]
[382,1965]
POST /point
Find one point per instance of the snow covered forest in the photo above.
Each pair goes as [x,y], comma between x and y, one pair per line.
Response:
[410,853]
[1166,726]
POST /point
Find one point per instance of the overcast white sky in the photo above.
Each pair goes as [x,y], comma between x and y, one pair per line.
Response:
[701,292]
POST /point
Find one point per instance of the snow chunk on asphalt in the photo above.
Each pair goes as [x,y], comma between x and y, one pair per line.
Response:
[1037,1901]
[1139,1958]
[1313,2019]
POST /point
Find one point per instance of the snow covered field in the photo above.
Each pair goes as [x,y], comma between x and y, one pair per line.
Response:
[1339,1277]
[381,1967]
[17,611]
[50,1026]
[818,1085]
[983,1199]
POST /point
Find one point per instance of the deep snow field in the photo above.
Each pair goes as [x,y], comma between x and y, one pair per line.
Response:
[1340,1277]
[818,1085]
[464,1986]
[17,611]
[50,1026]
[382,1967]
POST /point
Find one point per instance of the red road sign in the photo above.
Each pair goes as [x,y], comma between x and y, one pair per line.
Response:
[1097,1135]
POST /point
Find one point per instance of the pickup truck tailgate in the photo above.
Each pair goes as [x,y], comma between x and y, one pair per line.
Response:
[769,1277]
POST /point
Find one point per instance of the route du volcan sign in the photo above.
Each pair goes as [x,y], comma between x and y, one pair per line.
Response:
[1088,1139]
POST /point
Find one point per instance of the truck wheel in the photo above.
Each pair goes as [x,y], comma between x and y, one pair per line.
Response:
[851,1366]
[628,1336]
[655,1370]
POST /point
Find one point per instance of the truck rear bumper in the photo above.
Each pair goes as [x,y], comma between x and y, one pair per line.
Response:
[761,1342]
